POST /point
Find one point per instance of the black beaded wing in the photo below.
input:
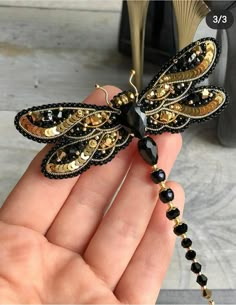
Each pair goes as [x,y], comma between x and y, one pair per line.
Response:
[84,135]
[171,101]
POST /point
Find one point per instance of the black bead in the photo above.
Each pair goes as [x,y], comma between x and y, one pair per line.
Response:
[72,153]
[166,195]
[148,150]
[158,176]
[202,280]
[194,97]
[186,243]
[181,229]
[133,119]
[196,267]
[172,213]
[190,254]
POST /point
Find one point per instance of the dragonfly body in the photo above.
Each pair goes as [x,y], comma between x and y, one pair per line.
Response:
[86,135]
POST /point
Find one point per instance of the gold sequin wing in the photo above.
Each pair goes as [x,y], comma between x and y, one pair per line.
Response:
[50,122]
[199,105]
[71,158]
[188,67]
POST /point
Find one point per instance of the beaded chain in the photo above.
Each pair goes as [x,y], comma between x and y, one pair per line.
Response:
[148,150]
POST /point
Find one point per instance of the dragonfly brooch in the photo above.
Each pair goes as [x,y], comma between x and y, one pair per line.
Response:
[86,135]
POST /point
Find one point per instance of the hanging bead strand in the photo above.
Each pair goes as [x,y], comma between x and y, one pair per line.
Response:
[148,151]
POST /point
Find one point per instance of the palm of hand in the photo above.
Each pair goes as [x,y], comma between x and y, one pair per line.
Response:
[57,246]
[33,270]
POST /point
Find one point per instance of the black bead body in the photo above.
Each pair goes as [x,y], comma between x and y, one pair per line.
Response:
[133,119]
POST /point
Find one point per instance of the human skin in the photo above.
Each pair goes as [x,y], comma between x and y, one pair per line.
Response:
[57,244]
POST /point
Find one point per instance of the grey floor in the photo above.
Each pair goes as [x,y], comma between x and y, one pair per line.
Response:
[58,55]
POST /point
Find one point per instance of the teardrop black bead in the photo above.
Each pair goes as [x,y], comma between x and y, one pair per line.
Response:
[148,150]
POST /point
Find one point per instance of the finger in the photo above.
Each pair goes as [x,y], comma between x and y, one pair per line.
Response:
[84,208]
[142,279]
[123,226]
[36,200]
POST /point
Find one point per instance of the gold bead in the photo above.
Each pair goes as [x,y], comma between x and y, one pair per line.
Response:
[207,293]
[87,121]
[108,141]
[205,93]
[177,221]
[131,95]
[211,302]
[154,167]
[162,185]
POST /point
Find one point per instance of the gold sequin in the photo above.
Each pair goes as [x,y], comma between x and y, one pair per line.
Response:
[93,143]
[79,113]
[50,167]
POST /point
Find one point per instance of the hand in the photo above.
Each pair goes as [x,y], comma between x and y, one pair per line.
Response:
[56,245]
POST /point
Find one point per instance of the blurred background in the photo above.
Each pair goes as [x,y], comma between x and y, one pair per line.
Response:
[53,51]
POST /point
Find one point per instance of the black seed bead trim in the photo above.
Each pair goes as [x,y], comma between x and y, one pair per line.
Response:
[166,195]
[202,280]
[186,243]
[180,229]
[196,267]
[172,213]
[190,255]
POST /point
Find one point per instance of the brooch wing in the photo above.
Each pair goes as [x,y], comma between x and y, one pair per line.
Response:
[172,101]
[84,135]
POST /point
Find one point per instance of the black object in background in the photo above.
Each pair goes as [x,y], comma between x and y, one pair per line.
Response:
[160,36]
